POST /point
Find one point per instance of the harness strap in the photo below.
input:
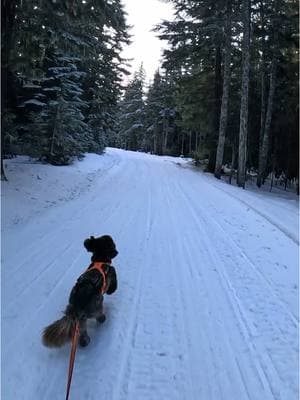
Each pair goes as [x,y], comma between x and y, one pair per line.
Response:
[99,267]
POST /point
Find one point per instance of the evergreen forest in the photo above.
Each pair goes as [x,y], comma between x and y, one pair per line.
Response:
[225,94]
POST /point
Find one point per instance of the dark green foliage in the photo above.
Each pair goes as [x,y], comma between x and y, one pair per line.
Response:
[131,116]
[196,58]
[160,116]
[65,59]
[148,122]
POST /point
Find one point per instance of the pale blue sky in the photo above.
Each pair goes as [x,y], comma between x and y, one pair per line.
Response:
[145,47]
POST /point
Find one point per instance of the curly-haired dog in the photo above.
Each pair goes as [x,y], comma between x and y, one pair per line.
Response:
[86,298]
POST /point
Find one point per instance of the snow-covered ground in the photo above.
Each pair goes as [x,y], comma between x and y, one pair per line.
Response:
[207,305]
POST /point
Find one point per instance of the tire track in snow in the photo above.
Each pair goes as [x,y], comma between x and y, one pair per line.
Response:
[138,360]
[120,388]
[237,249]
[189,293]
[215,356]
[27,285]
[39,257]
[21,333]
[267,369]
[243,323]
[106,387]
[261,275]
[222,353]
[208,345]
[124,328]
[277,225]
[164,374]
[20,328]
[154,365]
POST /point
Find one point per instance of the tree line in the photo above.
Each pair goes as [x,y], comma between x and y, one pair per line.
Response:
[227,90]
[226,93]
[61,76]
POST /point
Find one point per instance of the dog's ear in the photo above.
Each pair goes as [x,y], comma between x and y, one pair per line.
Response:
[89,244]
[113,283]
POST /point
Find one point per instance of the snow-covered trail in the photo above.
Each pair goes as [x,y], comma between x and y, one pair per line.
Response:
[207,305]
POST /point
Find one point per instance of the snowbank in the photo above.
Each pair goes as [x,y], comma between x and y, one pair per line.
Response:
[32,187]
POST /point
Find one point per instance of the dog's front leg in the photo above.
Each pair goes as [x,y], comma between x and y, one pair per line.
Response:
[84,338]
[99,315]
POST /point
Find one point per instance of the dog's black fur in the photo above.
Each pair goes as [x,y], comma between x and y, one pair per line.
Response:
[86,300]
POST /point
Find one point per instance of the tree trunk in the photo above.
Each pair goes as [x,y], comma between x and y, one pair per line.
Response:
[263,87]
[182,144]
[55,130]
[165,134]
[263,154]
[3,176]
[241,175]
[218,87]
[272,180]
[232,163]
[262,116]
[217,104]
[264,145]
[166,141]
[263,77]
[225,95]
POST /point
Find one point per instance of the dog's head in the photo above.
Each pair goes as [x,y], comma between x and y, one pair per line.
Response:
[103,248]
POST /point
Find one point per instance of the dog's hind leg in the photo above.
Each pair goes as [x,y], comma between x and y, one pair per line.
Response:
[84,338]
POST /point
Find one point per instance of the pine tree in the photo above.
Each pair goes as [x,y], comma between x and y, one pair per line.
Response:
[160,116]
[267,107]
[241,177]
[132,113]
[196,39]
[8,97]
[225,95]
[85,40]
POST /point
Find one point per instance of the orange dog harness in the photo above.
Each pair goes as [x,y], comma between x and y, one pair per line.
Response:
[99,267]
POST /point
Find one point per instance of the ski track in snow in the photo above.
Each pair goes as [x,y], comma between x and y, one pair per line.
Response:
[207,304]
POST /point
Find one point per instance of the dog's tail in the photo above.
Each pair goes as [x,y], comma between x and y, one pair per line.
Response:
[59,333]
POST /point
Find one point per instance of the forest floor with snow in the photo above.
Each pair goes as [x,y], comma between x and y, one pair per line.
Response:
[207,305]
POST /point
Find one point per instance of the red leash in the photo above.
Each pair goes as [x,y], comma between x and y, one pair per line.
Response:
[72,356]
[99,267]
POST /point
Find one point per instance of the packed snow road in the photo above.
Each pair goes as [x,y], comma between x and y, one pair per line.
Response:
[207,305]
